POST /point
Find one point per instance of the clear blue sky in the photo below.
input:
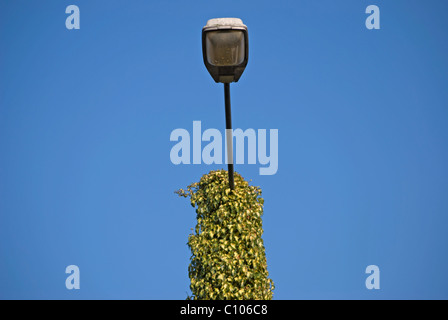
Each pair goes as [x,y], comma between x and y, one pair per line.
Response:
[86,116]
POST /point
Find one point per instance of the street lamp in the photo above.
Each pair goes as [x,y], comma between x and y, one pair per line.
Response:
[225,49]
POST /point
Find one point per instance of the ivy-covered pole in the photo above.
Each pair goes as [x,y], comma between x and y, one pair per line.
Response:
[228,255]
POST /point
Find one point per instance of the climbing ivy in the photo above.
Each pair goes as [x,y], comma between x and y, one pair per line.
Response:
[228,255]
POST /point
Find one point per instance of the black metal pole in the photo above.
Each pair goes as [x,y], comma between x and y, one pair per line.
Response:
[229,136]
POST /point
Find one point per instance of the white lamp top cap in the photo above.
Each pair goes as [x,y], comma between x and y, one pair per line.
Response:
[230,22]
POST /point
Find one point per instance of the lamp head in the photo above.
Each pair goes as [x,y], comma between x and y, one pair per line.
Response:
[225,48]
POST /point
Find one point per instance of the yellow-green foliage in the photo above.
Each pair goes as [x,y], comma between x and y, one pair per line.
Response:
[228,256]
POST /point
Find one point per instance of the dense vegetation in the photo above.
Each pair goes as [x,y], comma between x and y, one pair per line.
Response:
[228,255]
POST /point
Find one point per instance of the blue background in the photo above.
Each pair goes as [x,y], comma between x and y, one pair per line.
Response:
[86,116]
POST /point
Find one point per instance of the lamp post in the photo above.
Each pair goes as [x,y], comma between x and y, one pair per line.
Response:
[225,49]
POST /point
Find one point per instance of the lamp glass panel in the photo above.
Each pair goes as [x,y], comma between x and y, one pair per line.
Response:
[225,47]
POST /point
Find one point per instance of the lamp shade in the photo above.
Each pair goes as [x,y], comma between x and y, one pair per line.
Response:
[225,47]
